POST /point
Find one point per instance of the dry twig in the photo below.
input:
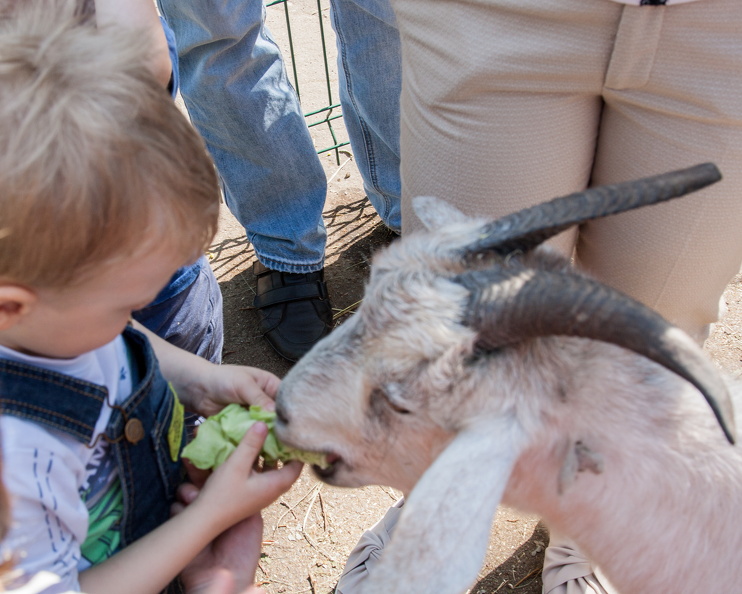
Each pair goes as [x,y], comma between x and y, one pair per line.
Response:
[350,308]
[348,160]
[293,507]
[310,506]
[532,573]
[324,512]
[317,548]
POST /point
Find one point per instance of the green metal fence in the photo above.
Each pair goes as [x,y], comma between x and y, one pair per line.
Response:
[324,112]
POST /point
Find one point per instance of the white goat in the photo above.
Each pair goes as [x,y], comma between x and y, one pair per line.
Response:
[479,369]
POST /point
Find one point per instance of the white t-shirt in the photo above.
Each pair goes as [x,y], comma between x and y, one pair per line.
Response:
[41,583]
[62,490]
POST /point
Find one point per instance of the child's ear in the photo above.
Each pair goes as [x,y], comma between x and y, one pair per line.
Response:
[15,302]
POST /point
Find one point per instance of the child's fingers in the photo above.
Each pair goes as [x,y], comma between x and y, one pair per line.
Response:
[257,489]
[291,471]
[281,478]
[257,395]
[269,485]
[187,493]
[248,449]
[195,475]
[251,386]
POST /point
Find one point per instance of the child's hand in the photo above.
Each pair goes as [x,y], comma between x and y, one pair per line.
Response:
[206,388]
[235,490]
[227,565]
[224,384]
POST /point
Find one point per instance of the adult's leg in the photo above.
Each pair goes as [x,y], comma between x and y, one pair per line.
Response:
[568,571]
[500,101]
[238,96]
[672,95]
[370,79]
[500,110]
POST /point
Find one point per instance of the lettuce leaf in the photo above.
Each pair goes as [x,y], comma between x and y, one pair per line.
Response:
[218,436]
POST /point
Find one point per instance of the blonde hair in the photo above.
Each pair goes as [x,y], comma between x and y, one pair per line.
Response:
[95,157]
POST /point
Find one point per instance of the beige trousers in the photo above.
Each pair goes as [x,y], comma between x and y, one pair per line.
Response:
[507,103]
[568,571]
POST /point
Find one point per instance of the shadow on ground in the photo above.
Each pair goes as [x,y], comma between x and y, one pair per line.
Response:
[519,572]
[354,233]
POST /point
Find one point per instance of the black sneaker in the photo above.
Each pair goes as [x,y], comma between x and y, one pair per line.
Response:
[294,309]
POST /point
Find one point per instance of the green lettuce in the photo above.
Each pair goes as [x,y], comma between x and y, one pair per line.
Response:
[218,436]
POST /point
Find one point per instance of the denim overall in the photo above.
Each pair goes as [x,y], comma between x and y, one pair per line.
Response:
[145,432]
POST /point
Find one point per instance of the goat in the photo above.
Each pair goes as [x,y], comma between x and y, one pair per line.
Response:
[480,369]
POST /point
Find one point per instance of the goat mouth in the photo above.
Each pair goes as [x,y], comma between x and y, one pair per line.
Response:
[333,461]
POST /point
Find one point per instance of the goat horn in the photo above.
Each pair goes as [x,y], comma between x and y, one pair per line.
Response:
[509,305]
[527,228]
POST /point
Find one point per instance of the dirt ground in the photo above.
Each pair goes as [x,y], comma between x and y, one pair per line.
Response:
[312,528]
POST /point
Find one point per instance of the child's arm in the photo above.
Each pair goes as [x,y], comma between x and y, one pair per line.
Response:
[206,388]
[229,563]
[142,15]
[235,491]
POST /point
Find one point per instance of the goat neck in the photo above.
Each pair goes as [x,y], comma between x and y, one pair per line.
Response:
[627,465]
[512,303]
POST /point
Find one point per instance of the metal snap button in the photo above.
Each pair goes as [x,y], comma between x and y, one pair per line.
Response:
[134,431]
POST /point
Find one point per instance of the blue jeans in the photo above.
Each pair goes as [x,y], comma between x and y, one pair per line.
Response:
[370,79]
[191,318]
[239,98]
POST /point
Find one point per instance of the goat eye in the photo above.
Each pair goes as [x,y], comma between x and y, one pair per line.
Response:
[380,395]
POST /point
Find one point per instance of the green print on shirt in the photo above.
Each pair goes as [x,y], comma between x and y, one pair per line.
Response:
[104,526]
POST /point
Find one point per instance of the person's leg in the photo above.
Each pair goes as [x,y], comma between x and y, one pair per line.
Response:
[500,110]
[367,552]
[672,97]
[192,318]
[238,96]
[568,571]
[500,101]
[436,111]
[370,80]
[234,84]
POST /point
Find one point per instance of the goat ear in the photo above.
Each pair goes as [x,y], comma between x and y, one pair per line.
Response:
[441,539]
[436,213]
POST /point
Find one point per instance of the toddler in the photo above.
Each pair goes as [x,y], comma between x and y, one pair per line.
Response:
[105,191]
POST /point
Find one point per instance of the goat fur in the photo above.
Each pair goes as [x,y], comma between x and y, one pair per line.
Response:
[609,448]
